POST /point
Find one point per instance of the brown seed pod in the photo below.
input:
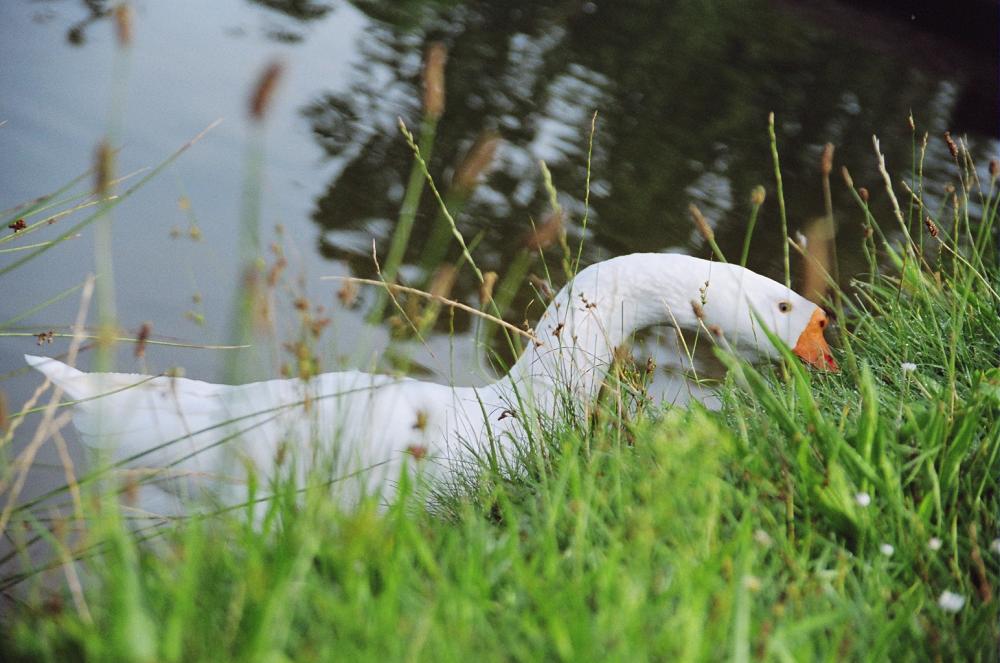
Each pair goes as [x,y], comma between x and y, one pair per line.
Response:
[994,168]
[863,192]
[757,196]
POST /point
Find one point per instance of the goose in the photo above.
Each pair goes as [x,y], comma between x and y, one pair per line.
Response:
[200,436]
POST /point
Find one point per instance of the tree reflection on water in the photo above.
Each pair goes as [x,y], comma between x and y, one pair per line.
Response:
[683,90]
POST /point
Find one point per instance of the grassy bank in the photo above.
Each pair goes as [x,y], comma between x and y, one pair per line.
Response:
[816,516]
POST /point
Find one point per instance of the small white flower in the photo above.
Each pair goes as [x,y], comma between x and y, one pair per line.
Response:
[886,549]
[908,367]
[995,546]
[950,601]
[863,499]
[934,544]
[762,538]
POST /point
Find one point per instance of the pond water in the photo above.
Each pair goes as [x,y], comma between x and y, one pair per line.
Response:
[682,89]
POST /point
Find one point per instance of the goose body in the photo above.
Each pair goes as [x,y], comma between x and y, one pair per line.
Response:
[373,425]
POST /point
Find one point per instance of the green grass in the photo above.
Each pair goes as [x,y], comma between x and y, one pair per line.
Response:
[794,524]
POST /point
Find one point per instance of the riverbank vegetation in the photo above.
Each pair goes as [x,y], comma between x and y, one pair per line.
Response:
[848,515]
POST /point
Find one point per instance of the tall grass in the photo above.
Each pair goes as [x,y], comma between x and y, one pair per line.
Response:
[847,516]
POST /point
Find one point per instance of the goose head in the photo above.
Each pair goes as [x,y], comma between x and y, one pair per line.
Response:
[737,303]
[611,300]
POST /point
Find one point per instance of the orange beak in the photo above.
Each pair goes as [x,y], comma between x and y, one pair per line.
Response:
[811,346]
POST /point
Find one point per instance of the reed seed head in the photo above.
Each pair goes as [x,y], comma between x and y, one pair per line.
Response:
[443,280]
[910,122]
[863,192]
[476,161]
[104,166]
[140,346]
[123,24]
[434,61]
[541,285]
[758,195]
[701,223]
[994,168]
[826,161]
[263,92]
[486,288]
[697,309]
[348,294]
[545,234]
[952,147]
[846,174]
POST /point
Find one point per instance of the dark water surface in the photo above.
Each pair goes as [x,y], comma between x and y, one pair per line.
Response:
[683,91]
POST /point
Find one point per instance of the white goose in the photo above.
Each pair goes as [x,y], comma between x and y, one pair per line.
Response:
[377,424]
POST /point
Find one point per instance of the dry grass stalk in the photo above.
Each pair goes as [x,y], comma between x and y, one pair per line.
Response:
[394,287]
[50,423]
[888,187]
[434,61]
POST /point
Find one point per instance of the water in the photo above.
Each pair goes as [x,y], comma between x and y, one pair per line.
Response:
[683,90]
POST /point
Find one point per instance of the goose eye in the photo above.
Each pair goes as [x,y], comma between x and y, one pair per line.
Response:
[784,307]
